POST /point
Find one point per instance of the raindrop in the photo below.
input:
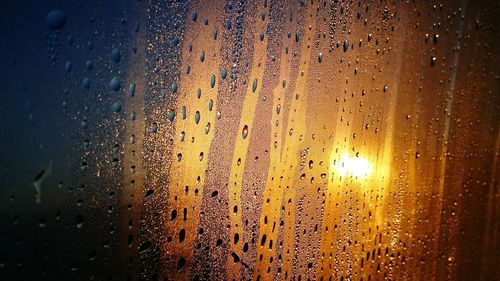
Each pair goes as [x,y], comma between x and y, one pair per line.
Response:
[56,19]
[183,112]
[171,115]
[244,133]
[42,222]
[68,67]
[154,127]
[86,83]
[79,221]
[117,107]
[210,104]
[115,55]
[149,194]
[181,263]
[89,65]
[182,235]
[175,41]
[144,248]
[115,84]
[197,117]
[212,81]
[131,89]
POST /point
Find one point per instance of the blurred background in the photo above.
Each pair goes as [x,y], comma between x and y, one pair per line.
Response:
[249,140]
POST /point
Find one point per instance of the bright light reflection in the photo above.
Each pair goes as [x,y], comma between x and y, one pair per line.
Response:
[358,167]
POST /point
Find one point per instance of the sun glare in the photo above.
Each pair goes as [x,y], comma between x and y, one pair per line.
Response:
[358,167]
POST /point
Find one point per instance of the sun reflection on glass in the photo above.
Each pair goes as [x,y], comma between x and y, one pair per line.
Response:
[358,167]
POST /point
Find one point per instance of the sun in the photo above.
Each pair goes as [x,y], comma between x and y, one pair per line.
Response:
[358,167]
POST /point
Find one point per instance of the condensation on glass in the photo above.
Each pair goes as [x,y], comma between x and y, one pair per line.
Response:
[250,140]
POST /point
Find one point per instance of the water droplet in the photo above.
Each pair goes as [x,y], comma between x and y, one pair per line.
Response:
[115,84]
[171,115]
[115,55]
[244,133]
[89,65]
[86,83]
[212,81]
[149,194]
[68,67]
[56,19]
[42,222]
[433,60]
[183,112]
[144,248]
[154,127]
[83,124]
[117,107]
[254,85]
[197,117]
[210,104]
[79,221]
[175,41]
[181,263]
[131,89]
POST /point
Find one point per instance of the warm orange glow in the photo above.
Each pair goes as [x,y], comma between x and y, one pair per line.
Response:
[357,166]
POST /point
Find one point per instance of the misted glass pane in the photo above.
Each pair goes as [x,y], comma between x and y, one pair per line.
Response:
[249,140]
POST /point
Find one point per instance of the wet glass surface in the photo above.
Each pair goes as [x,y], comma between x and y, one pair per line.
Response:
[249,140]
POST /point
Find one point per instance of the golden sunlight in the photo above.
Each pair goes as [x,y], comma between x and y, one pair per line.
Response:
[358,167]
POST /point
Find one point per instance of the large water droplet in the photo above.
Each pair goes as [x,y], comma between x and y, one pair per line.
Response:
[56,19]
[171,115]
[244,133]
[115,84]
[197,117]
[115,55]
